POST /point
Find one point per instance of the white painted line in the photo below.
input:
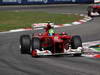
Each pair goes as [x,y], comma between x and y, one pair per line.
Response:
[83,20]
[67,24]
[56,26]
[76,23]
[81,14]
[16,30]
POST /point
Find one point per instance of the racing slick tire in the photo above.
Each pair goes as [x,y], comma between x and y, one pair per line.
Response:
[92,12]
[36,43]
[99,13]
[25,42]
[89,11]
[75,43]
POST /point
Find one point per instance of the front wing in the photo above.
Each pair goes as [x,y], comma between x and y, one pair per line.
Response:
[37,52]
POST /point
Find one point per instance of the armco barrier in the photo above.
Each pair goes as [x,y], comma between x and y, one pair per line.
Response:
[43,1]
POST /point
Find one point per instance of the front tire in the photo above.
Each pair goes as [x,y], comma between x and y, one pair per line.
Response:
[75,43]
[25,42]
[35,43]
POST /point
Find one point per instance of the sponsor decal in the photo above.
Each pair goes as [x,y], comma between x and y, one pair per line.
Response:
[35,0]
[9,0]
[19,1]
[62,0]
[73,0]
[44,1]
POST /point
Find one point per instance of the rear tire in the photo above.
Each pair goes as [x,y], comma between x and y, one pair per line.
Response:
[25,42]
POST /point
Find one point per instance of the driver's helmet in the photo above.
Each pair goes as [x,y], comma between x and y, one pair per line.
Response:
[51,32]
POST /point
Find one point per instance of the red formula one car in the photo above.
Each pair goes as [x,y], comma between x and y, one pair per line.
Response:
[94,10]
[51,43]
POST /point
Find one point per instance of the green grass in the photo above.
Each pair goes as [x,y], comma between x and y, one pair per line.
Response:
[20,19]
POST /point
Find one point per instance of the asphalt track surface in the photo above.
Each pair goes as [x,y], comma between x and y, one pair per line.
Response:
[12,62]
